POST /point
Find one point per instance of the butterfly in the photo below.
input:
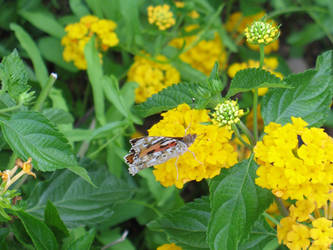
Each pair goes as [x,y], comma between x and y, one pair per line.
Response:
[149,151]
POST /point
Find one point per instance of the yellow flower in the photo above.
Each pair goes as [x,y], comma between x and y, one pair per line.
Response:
[161,16]
[211,149]
[302,210]
[322,232]
[296,162]
[78,34]
[151,76]
[237,23]
[286,225]
[179,4]
[202,55]
[171,246]
[298,237]
[194,14]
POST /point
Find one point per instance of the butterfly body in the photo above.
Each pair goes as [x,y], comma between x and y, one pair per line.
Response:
[149,151]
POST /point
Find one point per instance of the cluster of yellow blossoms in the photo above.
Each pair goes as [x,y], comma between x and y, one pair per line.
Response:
[151,76]
[270,64]
[306,228]
[78,34]
[161,16]
[171,246]
[212,150]
[261,33]
[237,23]
[203,55]
[227,113]
[296,162]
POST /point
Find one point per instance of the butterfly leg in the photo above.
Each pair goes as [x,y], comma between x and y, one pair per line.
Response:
[177,167]
[195,157]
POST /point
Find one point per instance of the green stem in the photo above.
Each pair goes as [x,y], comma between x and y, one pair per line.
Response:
[255,116]
[5,110]
[45,92]
[262,55]
[93,154]
[149,206]
[235,129]
[247,132]
[283,210]
[271,218]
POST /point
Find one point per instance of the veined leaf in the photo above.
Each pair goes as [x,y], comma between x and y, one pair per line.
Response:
[58,116]
[252,78]
[13,75]
[310,97]
[187,226]
[30,134]
[236,203]
[52,219]
[41,236]
[77,202]
[197,95]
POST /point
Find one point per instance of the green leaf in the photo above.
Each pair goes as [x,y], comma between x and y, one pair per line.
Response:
[54,222]
[51,49]
[78,8]
[13,75]
[309,33]
[82,172]
[30,134]
[41,236]
[310,97]
[261,235]
[58,116]
[77,202]
[45,21]
[20,234]
[29,45]
[187,226]
[252,78]
[236,203]
[197,95]
[96,78]
[83,242]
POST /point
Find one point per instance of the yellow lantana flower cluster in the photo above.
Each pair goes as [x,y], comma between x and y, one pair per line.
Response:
[203,55]
[296,162]
[305,228]
[151,76]
[237,23]
[161,16]
[270,64]
[261,33]
[78,34]
[171,246]
[210,151]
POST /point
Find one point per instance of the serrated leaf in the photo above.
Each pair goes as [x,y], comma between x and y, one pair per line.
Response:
[54,222]
[58,116]
[30,134]
[252,78]
[310,98]
[261,235]
[187,226]
[77,202]
[13,75]
[197,95]
[236,203]
[41,236]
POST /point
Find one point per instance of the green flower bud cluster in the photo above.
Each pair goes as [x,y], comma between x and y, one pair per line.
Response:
[227,113]
[261,33]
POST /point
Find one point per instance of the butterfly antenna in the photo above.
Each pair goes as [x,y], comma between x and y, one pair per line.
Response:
[195,157]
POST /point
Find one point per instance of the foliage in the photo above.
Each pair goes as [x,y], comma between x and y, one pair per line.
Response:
[64,135]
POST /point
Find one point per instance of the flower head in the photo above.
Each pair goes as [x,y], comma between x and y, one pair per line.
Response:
[261,33]
[78,34]
[322,232]
[211,148]
[296,162]
[227,113]
[151,76]
[161,16]
[195,53]
[171,246]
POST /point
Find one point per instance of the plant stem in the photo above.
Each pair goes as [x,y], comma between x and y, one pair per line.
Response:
[5,110]
[262,55]
[247,132]
[255,118]
[235,129]
[271,218]
[283,210]
[45,92]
